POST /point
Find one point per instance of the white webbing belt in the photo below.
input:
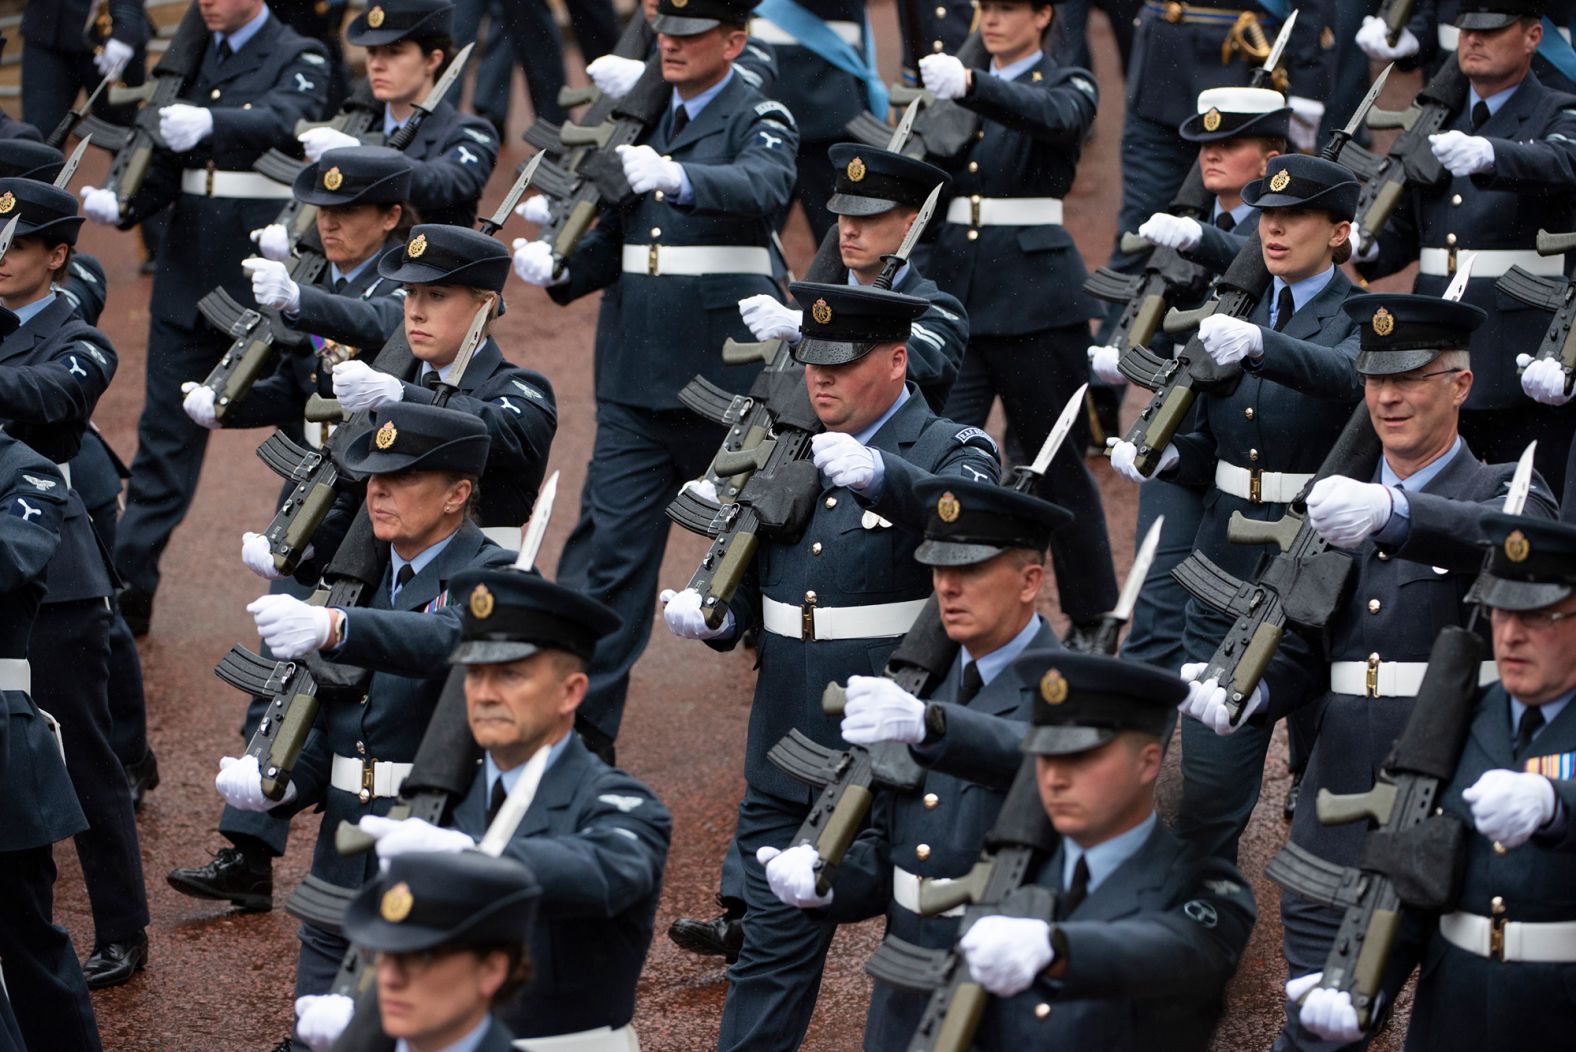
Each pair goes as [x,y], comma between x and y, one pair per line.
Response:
[601,1039]
[348,774]
[1390,679]
[1274,487]
[203,183]
[769,32]
[905,890]
[696,260]
[878,621]
[16,674]
[1005,211]
[1490,262]
[507,537]
[1501,940]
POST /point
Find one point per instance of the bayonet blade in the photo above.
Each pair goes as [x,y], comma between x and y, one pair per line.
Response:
[1361,112]
[503,826]
[1458,284]
[512,198]
[1134,584]
[1058,435]
[1521,481]
[920,222]
[445,82]
[7,234]
[536,529]
[905,128]
[473,339]
[1281,40]
[69,169]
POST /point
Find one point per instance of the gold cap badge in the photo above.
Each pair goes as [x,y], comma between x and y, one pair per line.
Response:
[680,3]
[1383,322]
[417,246]
[947,507]
[1053,687]
[481,603]
[856,170]
[396,903]
[386,435]
[7,202]
[1517,547]
[1212,119]
[375,17]
[333,179]
[821,312]
[1280,181]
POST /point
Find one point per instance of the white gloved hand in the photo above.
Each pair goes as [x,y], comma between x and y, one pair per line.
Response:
[358,386]
[1365,247]
[843,460]
[289,626]
[198,405]
[702,488]
[646,170]
[240,782]
[272,241]
[791,875]
[1165,230]
[769,320]
[1124,460]
[1509,806]
[318,141]
[1327,1013]
[1543,379]
[272,285]
[1306,114]
[321,1018]
[408,836]
[1103,360]
[681,611]
[536,209]
[1229,340]
[100,206]
[944,76]
[1461,153]
[1346,512]
[1206,701]
[533,262]
[879,710]
[1006,953]
[1374,39]
[615,76]
[182,126]
[258,556]
[112,58]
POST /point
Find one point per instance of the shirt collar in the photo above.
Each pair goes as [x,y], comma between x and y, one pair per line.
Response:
[239,38]
[1302,291]
[998,659]
[1240,213]
[864,437]
[34,309]
[355,271]
[1551,711]
[512,775]
[1017,69]
[1422,476]
[1105,858]
[1495,101]
[469,1043]
[417,564]
[695,105]
[897,279]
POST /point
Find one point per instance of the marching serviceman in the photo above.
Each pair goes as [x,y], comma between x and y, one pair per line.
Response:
[60,57]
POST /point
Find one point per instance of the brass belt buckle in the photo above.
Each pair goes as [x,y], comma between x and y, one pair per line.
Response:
[1373,676]
[974,210]
[1450,261]
[1255,486]
[368,781]
[1175,12]
[210,178]
[807,618]
[1496,930]
[651,261]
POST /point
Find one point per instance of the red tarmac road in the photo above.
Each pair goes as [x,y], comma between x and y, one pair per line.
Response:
[219,980]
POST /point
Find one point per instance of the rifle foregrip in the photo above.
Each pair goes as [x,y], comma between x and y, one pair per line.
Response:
[569,97]
[1387,120]
[314,509]
[1551,244]
[730,572]
[964,1013]
[289,739]
[1147,320]
[1372,959]
[842,825]
[576,223]
[350,840]
[1337,809]
[730,462]
[1281,532]
[1180,321]
[1383,205]
[1168,417]
[1256,658]
[834,700]
[132,176]
[320,410]
[243,376]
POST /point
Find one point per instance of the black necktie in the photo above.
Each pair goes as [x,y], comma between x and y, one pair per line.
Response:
[495,802]
[1076,891]
[680,121]
[224,49]
[339,285]
[1226,221]
[431,379]
[1480,115]
[1285,307]
[972,683]
[402,578]
[1531,721]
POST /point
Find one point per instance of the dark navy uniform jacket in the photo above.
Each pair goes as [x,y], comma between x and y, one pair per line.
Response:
[256,96]
[1019,279]
[59,24]
[406,645]
[1149,954]
[821,97]
[1217,248]
[454,154]
[43,805]
[597,841]
[1534,139]
[655,333]
[938,337]
[848,556]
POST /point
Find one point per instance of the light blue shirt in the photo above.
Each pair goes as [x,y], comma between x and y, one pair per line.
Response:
[1302,292]
[1103,859]
[469,1043]
[693,107]
[998,659]
[417,564]
[1551,712]
[1495,101]
[1017,69]
[897,279]
[354,272]
[511,776]
[32,310]
[240,37]
[1240,214]
[1400,523]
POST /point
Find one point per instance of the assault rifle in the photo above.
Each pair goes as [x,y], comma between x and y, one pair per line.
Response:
[1551,294]
[942,130]
[77,114]
[1396,14]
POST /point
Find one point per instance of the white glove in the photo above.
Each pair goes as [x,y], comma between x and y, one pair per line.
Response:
[1461,153]
[272,241]
[533,262]
[182,126]
[1102,362]
[1346,512]
[1006,953]
[358,386]
[240,782]
[791,875]
[1374,39]
[1206,701]
[645,170]
[769,320]
[198,404]
[1327,1013]
[702,488]
[536,209]
[321,1018]
[289,626]
[258,557]
[1229,340]
[1365,247]
[1509,806]
[318,141]
[843,460]
[681,610]
[112,58]
[1543,379]
[100,206]
[1124,460]
[944,76]
[879,710]
[407,836]
[615,76]
[271,284]
[1168,231]
[1305,117]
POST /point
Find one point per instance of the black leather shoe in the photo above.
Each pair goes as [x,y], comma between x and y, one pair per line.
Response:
[1289,806]
[136,606]
[143,777]
[113,963]
[230,877]
[719,937]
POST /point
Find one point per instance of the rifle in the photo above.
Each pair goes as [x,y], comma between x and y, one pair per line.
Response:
[77,115]
[634,42]
[1550,294]
[1395,14]
[942,130]
[1177,381]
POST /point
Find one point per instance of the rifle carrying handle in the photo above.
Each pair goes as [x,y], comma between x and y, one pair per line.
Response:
[1551,244]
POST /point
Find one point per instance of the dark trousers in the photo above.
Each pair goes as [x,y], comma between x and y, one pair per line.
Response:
[1070,36]
[495,71]
[170,449]
[1307,932]
[322,952]
[1500,436]
[1155,160]
[1035,374]
[70,655]
[539,47]
[813,183]
[773,986]
[42,977]
[1155,630]
[638,461]
[128,704]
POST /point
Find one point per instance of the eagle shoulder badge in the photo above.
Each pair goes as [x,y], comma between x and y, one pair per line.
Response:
[947,507]
[333,179]
[1383,322]
[1517,547]
[1212,120]
[417,246]
[386,435]
[481,602]
[821,312]
[1280,181]
[375,17]
[856,170]
[7,202]
[397,901]
[1053,687]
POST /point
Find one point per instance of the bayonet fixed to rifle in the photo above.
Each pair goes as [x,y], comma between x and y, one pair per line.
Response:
[942,129]
[1395,14]
[77,115]
[1557,295]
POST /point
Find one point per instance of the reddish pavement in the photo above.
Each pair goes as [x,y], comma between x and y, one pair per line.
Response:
[222,981]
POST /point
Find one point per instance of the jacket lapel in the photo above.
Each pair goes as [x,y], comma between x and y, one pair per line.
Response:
[426,585]
[1133,884]
[1491,727]
[249,58]
[1310,318]
[712,119]
[22,342]
[482,365]
[1506,124]
[1003,695]
[905,426]
[557,790]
